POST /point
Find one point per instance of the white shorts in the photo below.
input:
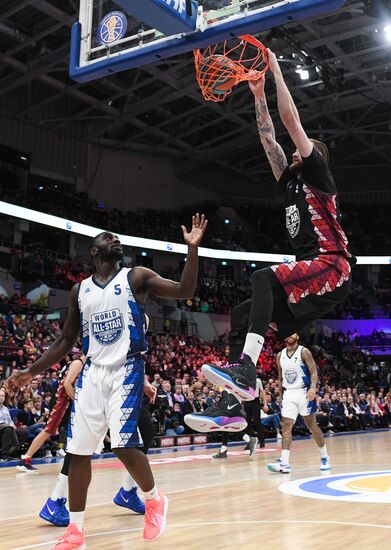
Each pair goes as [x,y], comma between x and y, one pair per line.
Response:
[106,398]
[294,402]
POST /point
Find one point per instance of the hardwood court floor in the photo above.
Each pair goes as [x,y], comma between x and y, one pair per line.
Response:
[215,505]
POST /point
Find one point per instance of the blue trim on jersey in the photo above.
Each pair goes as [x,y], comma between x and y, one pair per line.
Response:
[85,334]
[137,330]
[133,394]
[306,376]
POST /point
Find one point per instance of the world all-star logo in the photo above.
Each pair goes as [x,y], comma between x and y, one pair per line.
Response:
[292,220]
[364,487]
[291,375]
[107,326]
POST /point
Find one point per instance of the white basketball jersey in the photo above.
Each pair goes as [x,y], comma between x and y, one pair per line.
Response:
[112,321]
[295,373]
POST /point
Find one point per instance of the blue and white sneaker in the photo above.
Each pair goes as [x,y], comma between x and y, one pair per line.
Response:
[325,464]
[130,500]
[279,467]
[225,416]
[55,512]
[238,378]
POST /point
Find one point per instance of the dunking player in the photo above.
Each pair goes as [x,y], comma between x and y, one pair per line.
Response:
[109,309]
[298,376]
[296,293]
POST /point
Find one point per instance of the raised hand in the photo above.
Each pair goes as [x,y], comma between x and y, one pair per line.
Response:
[274,65]
[199,225]
[257,87]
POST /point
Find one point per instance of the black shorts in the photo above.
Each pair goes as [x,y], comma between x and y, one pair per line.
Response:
[307,291]
[312,308]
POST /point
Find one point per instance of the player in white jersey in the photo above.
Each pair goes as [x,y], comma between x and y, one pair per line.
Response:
[298,377]
[109,309]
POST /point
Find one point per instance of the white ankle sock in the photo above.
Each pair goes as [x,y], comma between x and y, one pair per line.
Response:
[61,487]
[78,519]
[152,494]
[253,346]
[223,448]
[129,482]
[323,451]
[285,456]
[246,438]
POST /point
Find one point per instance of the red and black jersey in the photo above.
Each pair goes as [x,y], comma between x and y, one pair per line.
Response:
[312,213]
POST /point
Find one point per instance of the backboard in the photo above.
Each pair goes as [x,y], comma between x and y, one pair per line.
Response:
[117,35]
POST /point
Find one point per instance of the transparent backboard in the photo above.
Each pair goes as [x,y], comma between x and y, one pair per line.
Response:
[109,38]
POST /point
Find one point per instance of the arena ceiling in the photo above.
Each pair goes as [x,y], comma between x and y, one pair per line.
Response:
[159,107]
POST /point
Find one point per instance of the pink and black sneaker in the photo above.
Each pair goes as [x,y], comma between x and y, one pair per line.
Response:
[238,378]
[225,416]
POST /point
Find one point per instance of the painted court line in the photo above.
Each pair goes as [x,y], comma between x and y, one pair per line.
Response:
[196,488]
[217,523]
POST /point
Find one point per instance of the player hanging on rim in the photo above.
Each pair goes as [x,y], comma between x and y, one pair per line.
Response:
[108,307]
[293,294]
[298,376]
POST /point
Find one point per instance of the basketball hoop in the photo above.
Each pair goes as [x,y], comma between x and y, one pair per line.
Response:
[222,66]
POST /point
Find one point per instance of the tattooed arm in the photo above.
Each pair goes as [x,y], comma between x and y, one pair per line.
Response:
[288,111]
[273,150]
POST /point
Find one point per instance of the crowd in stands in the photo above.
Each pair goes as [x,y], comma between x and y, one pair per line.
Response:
[383,298]
[354,307]
[221,294]
[259,228]
[353,393]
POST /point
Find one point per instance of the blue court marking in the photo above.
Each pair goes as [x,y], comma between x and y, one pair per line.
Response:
[321,486]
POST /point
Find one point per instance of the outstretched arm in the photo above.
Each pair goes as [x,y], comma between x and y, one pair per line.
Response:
[288,111]
[273,150]
[145,280]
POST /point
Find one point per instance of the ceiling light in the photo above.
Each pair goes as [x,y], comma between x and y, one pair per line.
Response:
[303,73]
[387,30]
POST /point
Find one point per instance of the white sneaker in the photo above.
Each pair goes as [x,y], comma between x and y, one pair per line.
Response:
[48,454]
[61,452]
[279,467]
[279,436]
[325,464]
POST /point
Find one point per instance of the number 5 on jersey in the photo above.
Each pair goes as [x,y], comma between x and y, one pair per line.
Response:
[117,290]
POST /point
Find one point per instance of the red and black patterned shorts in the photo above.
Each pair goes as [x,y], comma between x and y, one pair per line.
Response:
[58,411]
[316,277]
